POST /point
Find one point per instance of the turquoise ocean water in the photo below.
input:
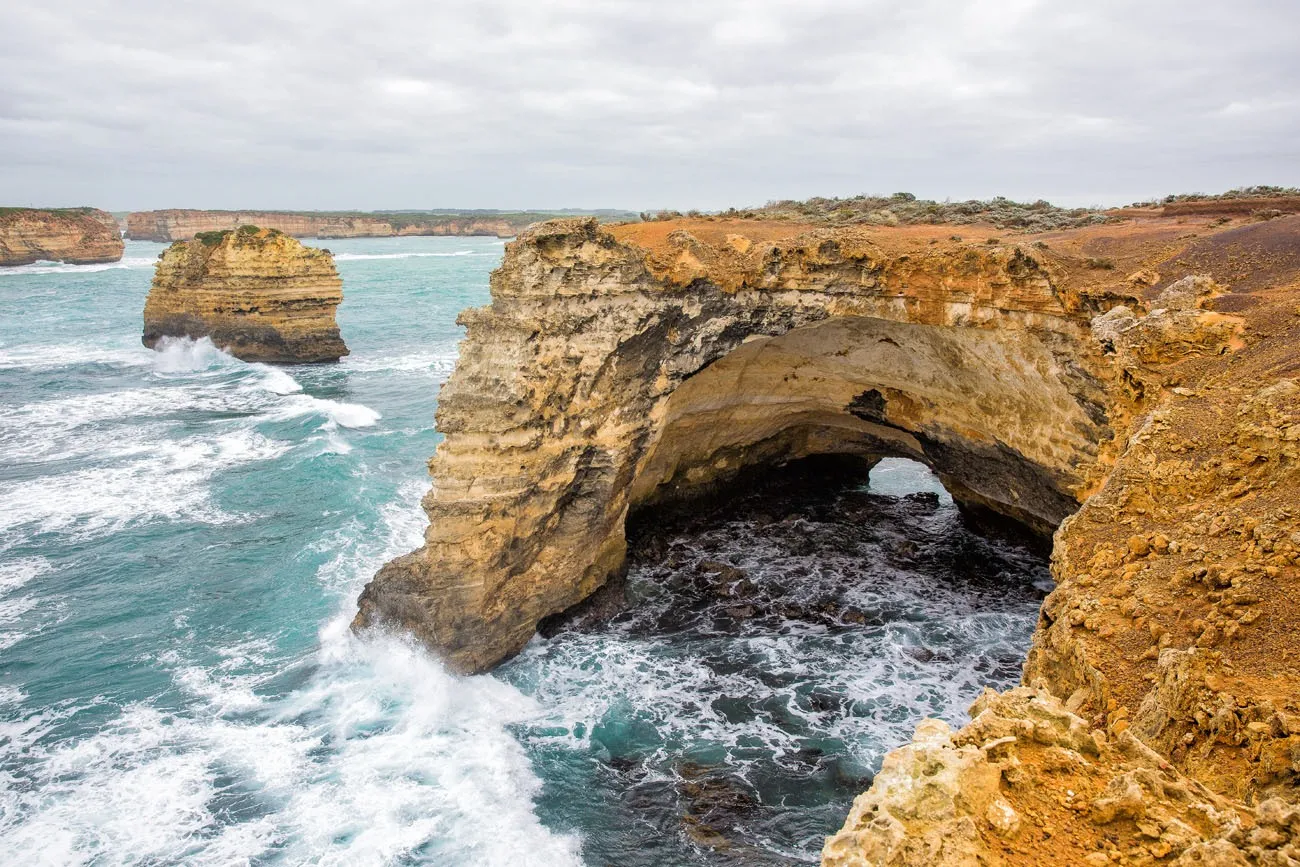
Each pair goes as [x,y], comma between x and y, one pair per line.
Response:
[182,538]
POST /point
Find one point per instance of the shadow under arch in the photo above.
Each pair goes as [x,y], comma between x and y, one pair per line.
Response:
[980,407]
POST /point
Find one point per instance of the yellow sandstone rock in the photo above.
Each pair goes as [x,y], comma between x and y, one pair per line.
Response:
[257,293]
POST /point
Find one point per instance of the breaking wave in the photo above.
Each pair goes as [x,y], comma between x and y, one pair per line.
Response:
[132,263]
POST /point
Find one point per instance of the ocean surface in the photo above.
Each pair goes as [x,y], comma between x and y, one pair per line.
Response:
[183,536]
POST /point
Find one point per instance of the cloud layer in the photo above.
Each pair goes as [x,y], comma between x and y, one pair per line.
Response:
[554,103]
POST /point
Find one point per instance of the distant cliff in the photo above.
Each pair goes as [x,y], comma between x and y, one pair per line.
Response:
[257,293]
[181,225]
[80,236]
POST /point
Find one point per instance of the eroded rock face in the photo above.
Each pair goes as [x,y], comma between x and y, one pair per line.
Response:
[612,371]
[78,236]
[1171,635]
[257,293]
[1029,782]
[1162,719]
[182,225]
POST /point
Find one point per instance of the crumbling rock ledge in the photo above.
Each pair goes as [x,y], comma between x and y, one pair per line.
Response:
[257,293]
[1151,420]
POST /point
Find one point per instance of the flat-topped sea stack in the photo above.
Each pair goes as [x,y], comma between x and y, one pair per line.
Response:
[257,293]
[77,236]
[1130,385]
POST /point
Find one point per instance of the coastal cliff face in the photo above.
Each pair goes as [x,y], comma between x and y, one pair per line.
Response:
[617,368]
[1164,727]
[78,236]
[257,293]
[1133,385]
[181,225]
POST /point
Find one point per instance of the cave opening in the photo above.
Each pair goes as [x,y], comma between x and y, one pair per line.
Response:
[833,534]
[725,699]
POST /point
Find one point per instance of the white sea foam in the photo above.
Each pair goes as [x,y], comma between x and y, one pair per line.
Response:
[349,415]
[169,484]
[277,381]
[132,263]
[441,363]
[186,355]
[380,757]
[53,356]
[18,572]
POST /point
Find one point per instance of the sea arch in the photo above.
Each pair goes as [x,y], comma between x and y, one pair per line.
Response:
[617,368]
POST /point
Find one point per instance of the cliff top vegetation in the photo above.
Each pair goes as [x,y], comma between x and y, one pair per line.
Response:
[1255,192]
[71,213]
[907,209]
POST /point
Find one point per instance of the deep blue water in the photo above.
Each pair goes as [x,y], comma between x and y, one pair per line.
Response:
[182,538]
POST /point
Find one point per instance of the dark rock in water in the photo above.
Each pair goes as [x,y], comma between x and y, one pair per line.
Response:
[715,803]
[598,608]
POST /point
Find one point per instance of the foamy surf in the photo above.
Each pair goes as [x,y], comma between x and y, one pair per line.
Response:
[171,484]
[38,269]
[379,757]
[54,356]
[348,415]
[180,355]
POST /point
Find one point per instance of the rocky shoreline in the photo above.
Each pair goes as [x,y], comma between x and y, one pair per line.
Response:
[76,236]
[1131,386]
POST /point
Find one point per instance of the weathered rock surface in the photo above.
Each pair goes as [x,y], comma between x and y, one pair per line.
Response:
[78,236]
[613,370]
[1154,417]
[181,225]
[1029,782]
[1172,631]
[257,293]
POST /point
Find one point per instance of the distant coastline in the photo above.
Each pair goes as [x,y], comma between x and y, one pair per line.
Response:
[183,224]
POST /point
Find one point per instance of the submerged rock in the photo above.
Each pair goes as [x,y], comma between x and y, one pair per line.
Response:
[77,236]
[257,293]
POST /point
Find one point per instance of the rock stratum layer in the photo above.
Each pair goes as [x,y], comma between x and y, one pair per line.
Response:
[181,225]
[78,236]
[257,293]
[1132,386]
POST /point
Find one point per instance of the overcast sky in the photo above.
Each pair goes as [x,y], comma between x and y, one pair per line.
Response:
[134,104]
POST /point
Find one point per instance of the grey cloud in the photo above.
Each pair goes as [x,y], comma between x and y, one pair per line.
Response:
[506,103]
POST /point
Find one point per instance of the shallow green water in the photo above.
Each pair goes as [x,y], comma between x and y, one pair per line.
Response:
[182,537]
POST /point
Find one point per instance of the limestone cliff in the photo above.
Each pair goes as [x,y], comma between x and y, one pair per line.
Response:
[181,225]
[79,236]
[616,368]
[257,293]
[1173,627]
[1132,385]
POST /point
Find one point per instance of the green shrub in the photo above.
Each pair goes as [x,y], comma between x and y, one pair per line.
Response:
[212,239]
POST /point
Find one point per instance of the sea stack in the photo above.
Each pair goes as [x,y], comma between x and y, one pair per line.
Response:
[257,293]
[77,236]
